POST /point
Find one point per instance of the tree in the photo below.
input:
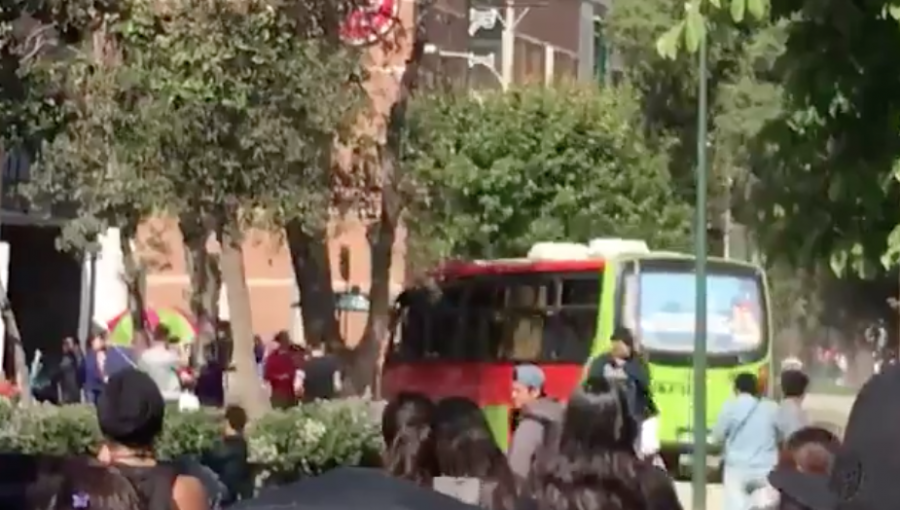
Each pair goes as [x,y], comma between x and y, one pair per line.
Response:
[503,171]
[744,94]
[33,106]
[239,98]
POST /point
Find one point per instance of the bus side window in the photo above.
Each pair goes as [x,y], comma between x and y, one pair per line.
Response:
[523,331]
[414,324]
[482,322]
[444,327]
[571,332]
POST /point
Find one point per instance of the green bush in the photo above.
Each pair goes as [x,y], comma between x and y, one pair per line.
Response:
[284,445]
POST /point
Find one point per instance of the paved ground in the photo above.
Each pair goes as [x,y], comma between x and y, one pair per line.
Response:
[826,409]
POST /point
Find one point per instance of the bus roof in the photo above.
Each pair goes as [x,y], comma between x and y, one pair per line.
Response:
[460,269]
[509,266]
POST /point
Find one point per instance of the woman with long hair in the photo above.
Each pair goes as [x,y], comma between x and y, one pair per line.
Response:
[465,449]
[408,438]
[592,463]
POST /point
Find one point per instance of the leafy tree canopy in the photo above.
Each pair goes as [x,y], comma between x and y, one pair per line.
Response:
[500,172]
[826,168]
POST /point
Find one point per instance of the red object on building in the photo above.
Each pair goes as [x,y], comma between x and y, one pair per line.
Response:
[365,24]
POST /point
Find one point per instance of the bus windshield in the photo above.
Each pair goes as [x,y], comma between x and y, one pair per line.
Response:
[523,317]
[735,320]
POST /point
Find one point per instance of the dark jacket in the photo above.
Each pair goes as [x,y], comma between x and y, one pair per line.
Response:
[634,377]
[69,378]
[229,460]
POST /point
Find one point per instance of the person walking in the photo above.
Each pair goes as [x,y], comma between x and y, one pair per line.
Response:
[281,372]
[623,367]
[101,362]
[163,364]
[538,414]
[69,376]
[791,415]
[748,430]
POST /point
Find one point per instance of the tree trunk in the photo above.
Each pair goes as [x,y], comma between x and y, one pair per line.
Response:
[248,387]
[206,280]
[366,358]
[133,283]
[312,272]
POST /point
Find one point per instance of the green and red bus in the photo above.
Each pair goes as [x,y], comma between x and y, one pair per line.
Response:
[557,308]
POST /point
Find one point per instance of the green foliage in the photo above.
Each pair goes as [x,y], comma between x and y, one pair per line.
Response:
[247,100]
[697,14]
[283,444]
[500,172]
[744,93]
[830,173]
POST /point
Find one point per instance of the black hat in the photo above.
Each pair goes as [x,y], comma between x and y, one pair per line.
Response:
[864,475]
[130,410]
[624,335]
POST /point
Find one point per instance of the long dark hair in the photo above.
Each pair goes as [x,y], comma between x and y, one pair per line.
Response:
[591,464]
[408,438]
[465,447]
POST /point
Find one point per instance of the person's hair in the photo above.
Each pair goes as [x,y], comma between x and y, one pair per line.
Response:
[408,438]
[794,383]
[282,337]
[590,463]
[80,483]
[162,334]
[745,382]
[811,450]
[658,489]
[131,410]
[465,447]
[236,417]
[597,417]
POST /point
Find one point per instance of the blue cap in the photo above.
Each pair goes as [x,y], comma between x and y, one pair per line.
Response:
[530,375]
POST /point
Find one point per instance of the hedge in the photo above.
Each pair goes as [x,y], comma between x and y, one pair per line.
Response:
[284,445]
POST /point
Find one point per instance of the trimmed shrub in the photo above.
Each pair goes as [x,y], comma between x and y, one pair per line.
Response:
[284,445]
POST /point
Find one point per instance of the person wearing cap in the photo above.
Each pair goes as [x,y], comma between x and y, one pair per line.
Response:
[536,414]
[130,414]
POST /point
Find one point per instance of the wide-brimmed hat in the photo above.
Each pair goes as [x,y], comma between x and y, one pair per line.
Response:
[867,466]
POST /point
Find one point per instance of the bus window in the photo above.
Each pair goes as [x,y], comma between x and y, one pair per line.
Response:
[523,328]
[482,319]
[735,304]
[570,331]
[443,339]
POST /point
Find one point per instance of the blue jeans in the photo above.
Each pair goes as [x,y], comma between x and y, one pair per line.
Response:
[738,483]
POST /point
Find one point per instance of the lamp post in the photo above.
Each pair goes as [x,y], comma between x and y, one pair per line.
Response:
[699,385]
[486,61]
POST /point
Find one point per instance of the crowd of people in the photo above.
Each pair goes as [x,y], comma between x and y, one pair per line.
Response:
[291,372]
[583,454]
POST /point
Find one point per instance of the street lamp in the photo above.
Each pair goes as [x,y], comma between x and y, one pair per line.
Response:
[472,59]
[699,419]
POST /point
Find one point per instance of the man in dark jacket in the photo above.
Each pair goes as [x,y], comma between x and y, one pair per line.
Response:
[538,413]
[622,366]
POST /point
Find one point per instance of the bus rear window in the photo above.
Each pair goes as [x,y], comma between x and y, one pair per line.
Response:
[534,317]
[735,322]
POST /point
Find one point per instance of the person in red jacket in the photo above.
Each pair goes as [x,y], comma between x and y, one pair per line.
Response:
[280,370]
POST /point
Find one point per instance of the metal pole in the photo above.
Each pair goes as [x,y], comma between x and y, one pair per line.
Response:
[508,48]
[699,425]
